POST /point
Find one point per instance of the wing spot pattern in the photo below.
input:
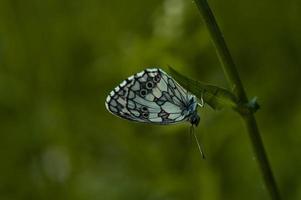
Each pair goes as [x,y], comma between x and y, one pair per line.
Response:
[150,96]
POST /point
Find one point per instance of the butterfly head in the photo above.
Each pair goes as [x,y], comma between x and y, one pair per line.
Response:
[194,119]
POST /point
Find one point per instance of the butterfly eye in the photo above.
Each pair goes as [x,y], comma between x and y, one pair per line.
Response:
[156,79]
[143,92]
[149,85]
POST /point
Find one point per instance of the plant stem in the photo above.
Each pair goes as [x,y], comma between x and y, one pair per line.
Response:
[233,78]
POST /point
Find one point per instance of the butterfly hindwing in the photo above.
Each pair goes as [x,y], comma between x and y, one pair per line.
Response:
[150,96]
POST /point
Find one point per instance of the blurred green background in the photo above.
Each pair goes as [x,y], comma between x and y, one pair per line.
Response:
[59,60]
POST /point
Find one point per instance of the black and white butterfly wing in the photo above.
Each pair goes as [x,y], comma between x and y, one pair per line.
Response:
[150,96]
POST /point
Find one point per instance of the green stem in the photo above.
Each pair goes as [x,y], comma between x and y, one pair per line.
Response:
[233,78]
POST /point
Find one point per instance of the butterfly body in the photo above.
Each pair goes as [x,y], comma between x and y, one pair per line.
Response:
[152,96]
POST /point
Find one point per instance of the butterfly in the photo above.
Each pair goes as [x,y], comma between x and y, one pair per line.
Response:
[152,96]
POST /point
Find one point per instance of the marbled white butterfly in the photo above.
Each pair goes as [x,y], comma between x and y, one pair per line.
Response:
[152,96]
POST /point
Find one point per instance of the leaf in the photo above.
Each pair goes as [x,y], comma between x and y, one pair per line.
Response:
[214,96]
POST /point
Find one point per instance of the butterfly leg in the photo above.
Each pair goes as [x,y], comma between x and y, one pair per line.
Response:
[201,103]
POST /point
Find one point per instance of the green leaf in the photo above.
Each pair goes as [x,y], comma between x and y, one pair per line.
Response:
[214,96]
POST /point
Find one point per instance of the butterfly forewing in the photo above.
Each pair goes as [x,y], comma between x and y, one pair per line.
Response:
[150,96]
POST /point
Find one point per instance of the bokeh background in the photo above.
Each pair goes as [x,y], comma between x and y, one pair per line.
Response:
[59,60]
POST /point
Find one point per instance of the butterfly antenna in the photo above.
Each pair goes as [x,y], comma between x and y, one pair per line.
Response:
[197,141]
